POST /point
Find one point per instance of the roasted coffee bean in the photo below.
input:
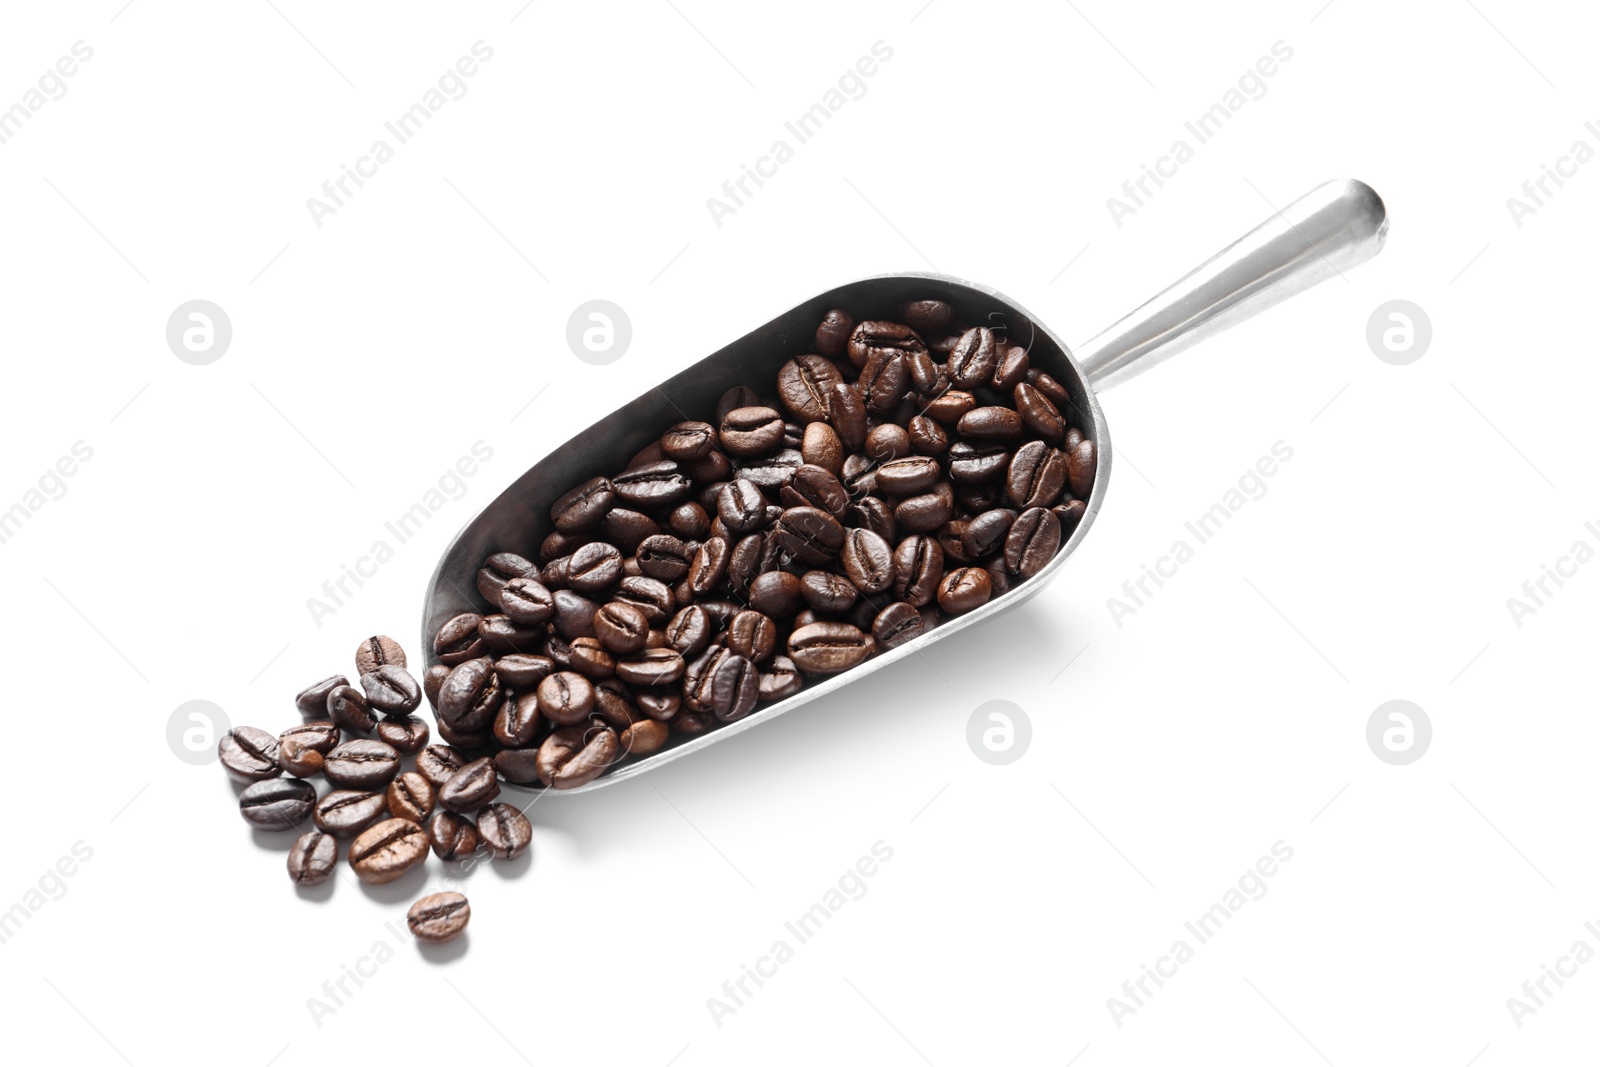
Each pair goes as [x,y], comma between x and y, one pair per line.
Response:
[347,812]
[950,406]
[555,545]
[565,697]
[650,596]
[709,567]
[740,396]
[320,736]
[464,742]
[950,540]
[927,437]
[312,701]
[589,658]
[906,477]
[458,639]
[664,557]
[520,670]
[689,631]
[986,533]
[1032,542]
[361,764]
[887,442]
[976,464]
[526,601]
[437,763]
[594,568]
[470,788]
[379,651]
[976,499]
[1010,369]
[828,647]
[714,467]
[576,755]
[732,688]
[751,555]
[392,691]
[918,569]
[821,446]
[410,796]
[311,858]
[755,636]
[452,837]
[884,380]
[501,635]
[1069,515]
[817,488]
[826,592]
[775,593]
[348,707]
[964,589]
[972,360]
[405,736]
[574,616]
[519,723]
[867,561]
[875,514]
[644,737]
[1080,469]
[652,666]
[1051,388]
[499,569]
[470,696]
[833,333]
[693,723]
[847,414]
[554,575]
[583,507]
[505,831]
[621,628]
[895,625]
[299,759]
[809,535]
[781,679]
[742,509]
[249,755]
[277,803]
[1036,476]
[772,471]
[751,431]
[688,440]
[613,704]
[1038,413]
[388,850]
[804,384]
[992,423]
[689,521]
[655,485]
[519,766]
[660,704]
[871,338]
[926,512]
[925,315]
[438,917]
[999,580]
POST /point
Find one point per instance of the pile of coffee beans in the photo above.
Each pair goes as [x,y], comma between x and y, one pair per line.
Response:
[391,795]
[903,473]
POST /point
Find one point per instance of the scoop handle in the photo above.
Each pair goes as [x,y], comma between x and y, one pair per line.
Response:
[1334,227]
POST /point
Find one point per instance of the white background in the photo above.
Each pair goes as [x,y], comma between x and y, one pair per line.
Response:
[1227,714]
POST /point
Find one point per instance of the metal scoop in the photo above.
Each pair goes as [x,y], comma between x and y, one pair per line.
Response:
[1334,227]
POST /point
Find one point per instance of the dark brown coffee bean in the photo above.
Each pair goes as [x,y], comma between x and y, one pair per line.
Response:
[962,590]
[781,679]
[613,704]
[594,568]
[905,477]
[452,836]
[664,557]
[992,423]
[410,796]
[1069,515]
[715,467]
[884,380]
[709,568]
[867,561]
[470,696]
[652,666]
[470,788]
[804,385]
[660,704]
[875,514]
[972,361]
[650,596]
[499,569]
[379,651]
[833,333]
[644,737]
[871,338]
[688,440]
[986,533]
[1010,369]
[772,471]
[589,658]
[348,811]
[437,763]
[458,640]
[277,803]
[565,697]
[821,446]
[361,764]
[501,635]
[464,742]
[826,592]
[925,315]
[438,917]
[249,755]
[574,616]
[740,396]
[1051,388]
[693,723]
[321,735]
[809,535]
[1032,542]
[1080,469]
[742,509]
[555,545]
[519,766]
[689,521]
[751,431]
[775,593]
[526,601]
[348,707]
[732,688]
[405,736]
[312,701]
[520,670]
[1038,413]
[1036,476]
[519,723]
[621,628]
[505,831]
[388,850]
[584,506]
[689,631]
[918,568]
[950,406]
[392,691]
[755,636]
[311,858]
[847,414]
[950,537]
[299,759]
[887,442]
[895,625]
[926,512]
[927,437]
[815,487]
[828,647]
[576,755]
[977,464]
[654,485]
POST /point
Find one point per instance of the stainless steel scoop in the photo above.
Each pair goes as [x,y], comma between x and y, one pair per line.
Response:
[1334,227]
